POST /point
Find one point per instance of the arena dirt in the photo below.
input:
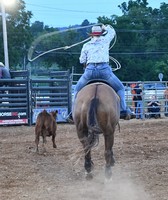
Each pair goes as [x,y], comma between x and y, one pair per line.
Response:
[140,172]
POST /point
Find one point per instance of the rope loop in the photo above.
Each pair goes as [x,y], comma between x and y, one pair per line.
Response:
[40,38]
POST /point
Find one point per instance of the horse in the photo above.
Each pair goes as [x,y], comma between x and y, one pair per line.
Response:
[96,111]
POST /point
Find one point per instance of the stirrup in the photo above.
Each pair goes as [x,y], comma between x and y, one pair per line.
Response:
[126,115]
[69,118]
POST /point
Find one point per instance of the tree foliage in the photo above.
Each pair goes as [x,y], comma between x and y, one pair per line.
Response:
[141,45]
[142,41]
[19,37]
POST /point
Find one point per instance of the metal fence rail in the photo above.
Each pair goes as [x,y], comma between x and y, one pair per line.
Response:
[14,100]
[159,92]
[23,96]
[51,94]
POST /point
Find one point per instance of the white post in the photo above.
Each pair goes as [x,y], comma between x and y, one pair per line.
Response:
[5,40]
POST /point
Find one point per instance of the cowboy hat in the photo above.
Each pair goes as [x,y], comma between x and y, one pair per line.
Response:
[96,31]
[1,64]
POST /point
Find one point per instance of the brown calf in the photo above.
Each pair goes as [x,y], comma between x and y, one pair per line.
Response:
[46,126]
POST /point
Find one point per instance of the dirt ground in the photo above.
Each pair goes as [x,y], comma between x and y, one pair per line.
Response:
[140,172]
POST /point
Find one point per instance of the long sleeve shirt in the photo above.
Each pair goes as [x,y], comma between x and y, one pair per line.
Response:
[97,49]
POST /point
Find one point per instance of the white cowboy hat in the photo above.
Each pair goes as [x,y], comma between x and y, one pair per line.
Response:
[96,31]
[1,64]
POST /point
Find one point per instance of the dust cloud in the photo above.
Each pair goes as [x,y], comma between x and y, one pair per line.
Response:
[120,187]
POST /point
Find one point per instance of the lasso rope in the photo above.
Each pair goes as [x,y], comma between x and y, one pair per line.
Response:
[51,50]
[117,63]
[40,38]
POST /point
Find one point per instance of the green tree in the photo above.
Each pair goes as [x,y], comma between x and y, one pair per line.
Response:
[141,40]
[51,44]
[19,37]
[37,28]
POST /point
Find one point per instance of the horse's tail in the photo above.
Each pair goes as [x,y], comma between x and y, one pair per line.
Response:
[93,127]
[92,120]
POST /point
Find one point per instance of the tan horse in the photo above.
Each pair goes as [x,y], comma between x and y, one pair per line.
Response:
[97,110]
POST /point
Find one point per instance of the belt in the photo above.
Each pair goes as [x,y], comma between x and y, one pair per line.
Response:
[96,64]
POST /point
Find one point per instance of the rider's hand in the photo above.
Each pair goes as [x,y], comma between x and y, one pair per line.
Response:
[103,27]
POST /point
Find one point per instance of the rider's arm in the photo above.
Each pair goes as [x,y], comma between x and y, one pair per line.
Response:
[83,56]
[110,32]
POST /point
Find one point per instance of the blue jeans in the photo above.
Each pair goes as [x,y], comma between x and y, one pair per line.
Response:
[102,71]
[139,109]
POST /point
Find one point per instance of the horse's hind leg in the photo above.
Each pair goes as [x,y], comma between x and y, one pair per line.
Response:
[88,164]
[109,140]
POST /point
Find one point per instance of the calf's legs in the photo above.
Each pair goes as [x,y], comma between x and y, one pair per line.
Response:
[53,140]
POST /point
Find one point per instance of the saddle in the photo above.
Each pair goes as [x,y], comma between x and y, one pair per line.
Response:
[98,81]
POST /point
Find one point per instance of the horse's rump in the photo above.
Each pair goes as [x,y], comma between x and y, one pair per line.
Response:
[97,104]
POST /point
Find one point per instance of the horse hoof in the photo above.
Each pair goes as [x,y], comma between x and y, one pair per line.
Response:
[89,176]
[113,161]
[108,173]
[108,180]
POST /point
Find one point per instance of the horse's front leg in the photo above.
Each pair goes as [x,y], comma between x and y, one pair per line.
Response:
[109,157]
